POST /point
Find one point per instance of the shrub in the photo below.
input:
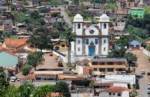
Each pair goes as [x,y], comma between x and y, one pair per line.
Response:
[26,69]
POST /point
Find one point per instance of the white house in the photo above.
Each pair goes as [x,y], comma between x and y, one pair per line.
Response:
[128,79]
[91,39]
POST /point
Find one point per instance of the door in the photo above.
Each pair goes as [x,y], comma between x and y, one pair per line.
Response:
[91,49]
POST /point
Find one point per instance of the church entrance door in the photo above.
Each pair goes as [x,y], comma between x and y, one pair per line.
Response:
[91,49]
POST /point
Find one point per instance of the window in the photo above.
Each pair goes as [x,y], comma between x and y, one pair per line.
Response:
[94,63]
[119,94]
[95,69]
[110,69]
[110,63]
[104,49]
[78,49]
[104,41]
[78,41]
[105,25]
[96,41]
[102,69]
[87,41]
[91,31]
[79,26]
[109,93]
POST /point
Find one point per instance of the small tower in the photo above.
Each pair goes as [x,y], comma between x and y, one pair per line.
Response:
[104,26]
[78,31]
[78,24]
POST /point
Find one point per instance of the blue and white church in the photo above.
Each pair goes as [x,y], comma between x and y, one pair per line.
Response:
[90,39]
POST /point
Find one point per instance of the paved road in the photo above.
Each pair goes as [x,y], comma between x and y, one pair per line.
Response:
[65,16]
[143,65]
[49,62]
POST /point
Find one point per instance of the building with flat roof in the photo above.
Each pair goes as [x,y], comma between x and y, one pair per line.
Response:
[103,66]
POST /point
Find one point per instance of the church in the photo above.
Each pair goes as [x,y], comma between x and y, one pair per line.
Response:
[90,39]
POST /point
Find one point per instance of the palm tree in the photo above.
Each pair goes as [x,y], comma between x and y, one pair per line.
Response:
[69,37]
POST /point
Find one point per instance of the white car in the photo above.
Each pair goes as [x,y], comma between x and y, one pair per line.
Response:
[13,78]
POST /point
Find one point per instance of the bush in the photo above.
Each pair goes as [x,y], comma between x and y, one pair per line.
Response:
[26,69]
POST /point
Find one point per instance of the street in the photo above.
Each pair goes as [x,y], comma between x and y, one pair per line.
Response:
[143,66]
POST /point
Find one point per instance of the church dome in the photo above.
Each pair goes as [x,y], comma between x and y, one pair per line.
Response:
[104,18]
[78,18]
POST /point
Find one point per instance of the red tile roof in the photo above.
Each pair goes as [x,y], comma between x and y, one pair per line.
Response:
[116,89]
[15,43]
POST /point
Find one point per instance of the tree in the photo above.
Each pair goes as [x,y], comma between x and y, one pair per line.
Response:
[131,59]
[26,89]
[35,15]
[148,47]
[3,82]
[26,69]
[69,37]
[76,2]
[62,87]
[42,91]
[117,53]
[34,59]
[41,38]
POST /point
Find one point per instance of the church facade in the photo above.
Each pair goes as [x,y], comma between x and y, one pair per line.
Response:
[90,39]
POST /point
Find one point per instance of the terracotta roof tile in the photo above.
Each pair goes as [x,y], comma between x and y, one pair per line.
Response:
[116,89]
[15,43]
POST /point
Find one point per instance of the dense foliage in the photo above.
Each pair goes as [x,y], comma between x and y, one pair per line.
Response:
[27,89]
[139,28]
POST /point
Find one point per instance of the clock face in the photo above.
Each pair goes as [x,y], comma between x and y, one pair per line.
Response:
[91,31]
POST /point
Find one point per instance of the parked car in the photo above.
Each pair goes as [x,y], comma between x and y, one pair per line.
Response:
[13,78]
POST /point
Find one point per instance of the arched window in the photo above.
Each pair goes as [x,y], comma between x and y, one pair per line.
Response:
[78,41]
[79,25]
[78,49]
[104,40]
[105,25]
[87,41]
[104,49]
[96,41]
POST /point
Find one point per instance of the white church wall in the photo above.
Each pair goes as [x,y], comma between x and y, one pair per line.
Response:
[104,46]
[78,30]
[103,29]
[90,33]
[79,46]
[96,31]
[72,47]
